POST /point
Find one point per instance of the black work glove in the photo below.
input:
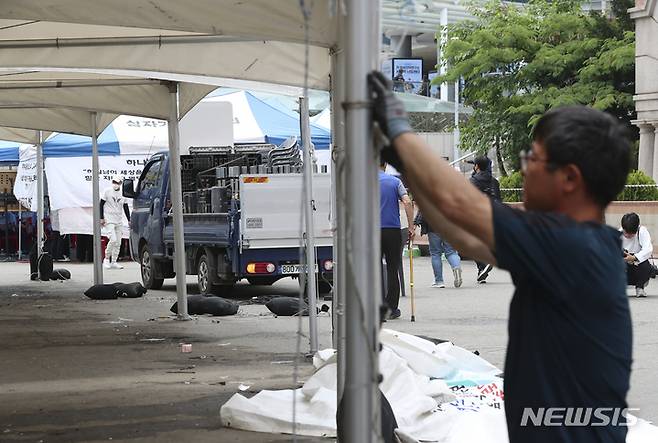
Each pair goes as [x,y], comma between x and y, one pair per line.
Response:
[389,113]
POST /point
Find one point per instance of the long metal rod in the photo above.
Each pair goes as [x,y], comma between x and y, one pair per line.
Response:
[20,230]
[339,202]
[309,208]
[361,400]
[176,196]
[158,40]
[96,193]
[63,84]
[40,196]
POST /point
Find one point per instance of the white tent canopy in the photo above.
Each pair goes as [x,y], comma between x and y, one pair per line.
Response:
[283,20]
[30,100]
[21,135]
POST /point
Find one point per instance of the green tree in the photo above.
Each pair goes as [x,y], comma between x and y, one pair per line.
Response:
[519,62]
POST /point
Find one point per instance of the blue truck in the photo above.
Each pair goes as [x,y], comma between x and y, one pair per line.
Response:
[242,212]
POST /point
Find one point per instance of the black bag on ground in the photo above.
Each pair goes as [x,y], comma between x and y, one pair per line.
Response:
[34,270]
[103,292]
[199,305]
[45,266]
[287,306]
[130,290]
[60,274]
[389,423]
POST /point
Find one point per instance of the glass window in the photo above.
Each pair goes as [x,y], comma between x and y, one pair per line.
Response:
[149,179]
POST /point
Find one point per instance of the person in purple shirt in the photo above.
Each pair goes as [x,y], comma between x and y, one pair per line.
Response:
[391,192]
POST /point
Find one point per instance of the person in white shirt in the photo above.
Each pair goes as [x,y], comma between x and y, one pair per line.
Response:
[637,248]
[112,204]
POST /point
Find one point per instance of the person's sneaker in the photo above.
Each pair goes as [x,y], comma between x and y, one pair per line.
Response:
[116,265]
[106,264]
[457,272]
[395,314]
[438,285]
[639,292]
[484,273]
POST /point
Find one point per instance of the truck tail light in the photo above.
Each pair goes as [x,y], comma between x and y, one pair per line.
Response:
[328,265]
[261,268]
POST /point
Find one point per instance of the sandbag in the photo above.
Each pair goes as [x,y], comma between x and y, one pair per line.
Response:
[199,305]
[287,306]
[103,292]
[389,423]
[60,274]
[130,290]
[34,270]
[45,266]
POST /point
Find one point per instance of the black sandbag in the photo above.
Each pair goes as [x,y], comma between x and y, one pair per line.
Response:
[45,265]
[194,305]
[219,306]
[60,274]
[389,423]
[130,290]
[287,306]
[34,270]
[199,305]
[103,292]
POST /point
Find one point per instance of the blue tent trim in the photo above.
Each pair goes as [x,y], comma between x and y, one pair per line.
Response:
[69,145]
[9,153]
[277,126]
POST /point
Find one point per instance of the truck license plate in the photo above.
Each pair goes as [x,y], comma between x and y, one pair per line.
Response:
[295,269]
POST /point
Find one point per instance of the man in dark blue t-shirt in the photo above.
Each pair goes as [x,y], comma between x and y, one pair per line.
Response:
[570,337]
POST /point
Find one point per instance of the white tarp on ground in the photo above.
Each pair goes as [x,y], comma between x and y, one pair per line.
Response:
[438,393]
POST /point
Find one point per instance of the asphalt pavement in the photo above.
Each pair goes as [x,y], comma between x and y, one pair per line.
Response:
[75,369]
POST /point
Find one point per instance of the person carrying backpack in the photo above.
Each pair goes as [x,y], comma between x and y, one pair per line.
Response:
[482,179]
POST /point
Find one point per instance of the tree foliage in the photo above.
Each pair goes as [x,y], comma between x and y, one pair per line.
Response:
[519,62]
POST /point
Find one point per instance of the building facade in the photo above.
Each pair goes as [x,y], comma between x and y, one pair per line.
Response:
[645,14]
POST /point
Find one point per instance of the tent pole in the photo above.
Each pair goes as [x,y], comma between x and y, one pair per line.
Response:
[311,283]
[360,414]
[40,209]
[176,196]
[20,230]
[96,196]
[338,206]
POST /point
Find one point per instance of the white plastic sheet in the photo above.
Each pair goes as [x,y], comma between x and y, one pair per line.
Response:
[439,393]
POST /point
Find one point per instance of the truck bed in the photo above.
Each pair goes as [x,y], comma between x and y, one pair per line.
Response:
[201,230]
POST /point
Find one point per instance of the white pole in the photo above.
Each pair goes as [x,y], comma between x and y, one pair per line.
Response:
[40,209]
[176,196]
[456,135]
[309,208]
[20,230]
[360,413]
[338,207]
[95,190]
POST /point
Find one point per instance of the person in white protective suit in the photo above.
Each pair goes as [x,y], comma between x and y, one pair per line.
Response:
[112,204]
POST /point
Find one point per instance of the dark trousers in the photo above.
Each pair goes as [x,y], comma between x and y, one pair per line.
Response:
[392,252]
[480,265]
[638,276]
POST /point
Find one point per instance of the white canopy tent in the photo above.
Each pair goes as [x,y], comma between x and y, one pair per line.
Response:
[256,40]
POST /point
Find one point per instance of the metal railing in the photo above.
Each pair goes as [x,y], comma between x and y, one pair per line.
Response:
[644,192]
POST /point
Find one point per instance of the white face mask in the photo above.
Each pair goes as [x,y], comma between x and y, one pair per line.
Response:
[115,186]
